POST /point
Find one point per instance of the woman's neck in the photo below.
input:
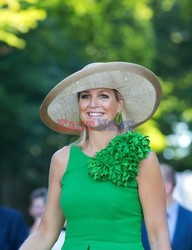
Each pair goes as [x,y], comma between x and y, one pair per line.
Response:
[98,140]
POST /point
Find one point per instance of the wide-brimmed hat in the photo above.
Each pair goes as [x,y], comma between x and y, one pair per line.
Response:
[138,85]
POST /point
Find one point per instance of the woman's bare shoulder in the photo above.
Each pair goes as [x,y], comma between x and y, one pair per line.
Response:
[59,161]
[149,166]
[149,161]
[61,155]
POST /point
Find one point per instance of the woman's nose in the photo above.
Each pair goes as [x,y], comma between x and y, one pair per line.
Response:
[93,102]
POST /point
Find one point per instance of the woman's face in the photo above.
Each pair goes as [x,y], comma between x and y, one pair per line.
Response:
[98,106]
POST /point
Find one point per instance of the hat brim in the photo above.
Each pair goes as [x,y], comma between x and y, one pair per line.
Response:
[138,85]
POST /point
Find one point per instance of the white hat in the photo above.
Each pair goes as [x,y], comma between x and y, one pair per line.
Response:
[138,85]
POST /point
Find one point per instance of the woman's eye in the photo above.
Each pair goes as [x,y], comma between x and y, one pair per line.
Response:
[84,96]
[104,96]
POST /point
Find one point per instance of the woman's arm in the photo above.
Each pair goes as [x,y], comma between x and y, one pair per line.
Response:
[53,219]
[152,196]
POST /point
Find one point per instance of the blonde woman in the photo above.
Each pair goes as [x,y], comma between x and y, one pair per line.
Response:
[104,183]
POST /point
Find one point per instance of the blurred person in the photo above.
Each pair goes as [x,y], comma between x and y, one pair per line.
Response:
[37,206]
[179,218]
[183,190]
[103,183]
[13,230]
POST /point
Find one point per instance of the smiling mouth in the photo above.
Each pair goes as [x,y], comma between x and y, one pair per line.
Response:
[95,114]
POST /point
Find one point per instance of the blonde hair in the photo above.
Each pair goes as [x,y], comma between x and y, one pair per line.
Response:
[84,134]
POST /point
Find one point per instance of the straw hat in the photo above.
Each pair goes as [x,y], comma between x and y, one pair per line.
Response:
[139,87]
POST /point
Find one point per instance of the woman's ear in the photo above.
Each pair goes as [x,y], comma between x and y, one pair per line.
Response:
[121,104]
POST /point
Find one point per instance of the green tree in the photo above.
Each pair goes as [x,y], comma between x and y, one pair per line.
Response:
[18,16]
[172,24]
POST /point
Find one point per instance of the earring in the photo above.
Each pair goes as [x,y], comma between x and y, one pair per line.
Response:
[118,119]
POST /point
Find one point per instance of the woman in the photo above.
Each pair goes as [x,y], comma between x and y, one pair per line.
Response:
[104,183]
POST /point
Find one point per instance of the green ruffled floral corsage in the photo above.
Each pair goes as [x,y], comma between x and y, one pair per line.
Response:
[119,161]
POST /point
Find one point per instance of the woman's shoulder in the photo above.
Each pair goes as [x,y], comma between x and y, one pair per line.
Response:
[59,161]
[149,167]
[61,154]
[150,159]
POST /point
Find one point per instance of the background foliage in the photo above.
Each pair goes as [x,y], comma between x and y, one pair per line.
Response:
[44,41]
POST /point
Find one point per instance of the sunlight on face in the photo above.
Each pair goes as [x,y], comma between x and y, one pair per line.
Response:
[98,105]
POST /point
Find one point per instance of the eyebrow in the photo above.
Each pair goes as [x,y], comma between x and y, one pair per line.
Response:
[87,91]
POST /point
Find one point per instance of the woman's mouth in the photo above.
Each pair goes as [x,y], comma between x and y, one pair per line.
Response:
[95,114]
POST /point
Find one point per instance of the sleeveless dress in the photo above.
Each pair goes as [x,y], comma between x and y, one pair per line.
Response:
[100,215]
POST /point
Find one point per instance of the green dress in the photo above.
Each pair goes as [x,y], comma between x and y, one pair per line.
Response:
[100,215]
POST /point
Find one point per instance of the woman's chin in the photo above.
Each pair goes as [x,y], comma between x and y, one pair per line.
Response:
[100,125]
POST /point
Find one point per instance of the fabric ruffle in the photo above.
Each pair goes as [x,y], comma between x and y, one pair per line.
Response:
[119,161]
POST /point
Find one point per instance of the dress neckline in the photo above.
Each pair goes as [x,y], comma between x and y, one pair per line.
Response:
[84,153]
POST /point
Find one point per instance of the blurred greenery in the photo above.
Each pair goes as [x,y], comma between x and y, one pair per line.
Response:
[44,41]
[18,17]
